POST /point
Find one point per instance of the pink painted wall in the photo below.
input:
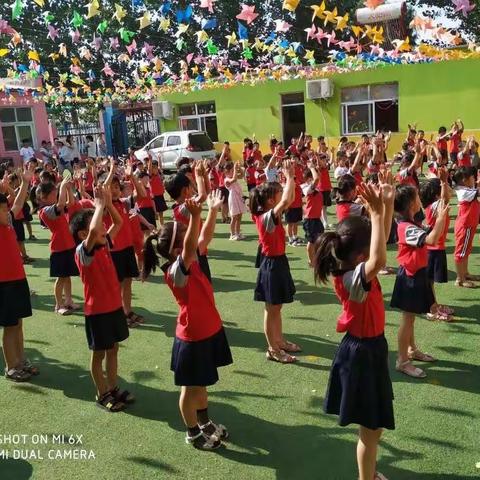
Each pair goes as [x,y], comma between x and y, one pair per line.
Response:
[42,128]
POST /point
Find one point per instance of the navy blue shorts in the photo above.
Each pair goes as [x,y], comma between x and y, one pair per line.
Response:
[14,302]
[62,264]
[104,330]
[413,294]
[160,204]
[294,215]
[251,186]
[149,214]
[19,229]
[313,229]
[359,389]
[274,281]
[453,157]
[437,266]
[125,263]
[195,363]
[225,194]
[327,198]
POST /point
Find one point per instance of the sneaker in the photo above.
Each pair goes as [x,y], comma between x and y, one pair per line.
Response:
[203,442]
[213,430]
[292,243]
[32,237]
[299,242]
[241,236]
[233,237]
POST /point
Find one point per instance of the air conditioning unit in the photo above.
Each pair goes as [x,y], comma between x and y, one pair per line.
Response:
[163,110]
[320,89]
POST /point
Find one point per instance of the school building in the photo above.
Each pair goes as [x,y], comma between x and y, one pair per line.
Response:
[22,117]
[389,98]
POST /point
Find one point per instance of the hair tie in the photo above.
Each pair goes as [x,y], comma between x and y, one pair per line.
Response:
[174,237]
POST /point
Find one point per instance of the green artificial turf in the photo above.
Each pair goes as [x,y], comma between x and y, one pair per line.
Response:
[274,412]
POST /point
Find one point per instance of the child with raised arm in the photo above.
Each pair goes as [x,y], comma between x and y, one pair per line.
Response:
[466,223]
[359,389]
[14,291]
[274,281]
[54,214]
[236,204]
[200,344]
[413,293]
[432,193]
[105,321]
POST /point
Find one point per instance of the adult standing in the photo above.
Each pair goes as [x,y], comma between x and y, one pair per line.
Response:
[26,152]
[91,147]
[65,157]
[101,146]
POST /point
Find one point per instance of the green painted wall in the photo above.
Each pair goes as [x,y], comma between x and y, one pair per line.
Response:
[429,94]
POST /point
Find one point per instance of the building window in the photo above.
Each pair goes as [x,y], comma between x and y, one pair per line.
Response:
[370,108]
[17,125]
[199,116]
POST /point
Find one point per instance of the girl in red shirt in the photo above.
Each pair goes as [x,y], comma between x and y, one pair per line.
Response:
[158,189]
[14,291]
[346,195]
[200,344]
[274,281]
[413,293]
[145,203]
[431,194]
[360,390]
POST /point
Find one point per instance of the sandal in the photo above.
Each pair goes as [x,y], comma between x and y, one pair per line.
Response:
[446,309]
[134,320]
[62,311]
[290,347]
[408,369]
[420,356]
[280,356]
[473,278]
[109,403]
[17,375]
[29,368]
[439,316]
[123,396]
[465,284]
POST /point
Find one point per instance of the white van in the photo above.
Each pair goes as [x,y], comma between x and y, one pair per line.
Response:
[170,146]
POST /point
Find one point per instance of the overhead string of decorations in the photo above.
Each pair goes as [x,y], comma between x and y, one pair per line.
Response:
[242,58]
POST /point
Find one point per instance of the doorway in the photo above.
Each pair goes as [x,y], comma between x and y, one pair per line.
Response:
[293,116]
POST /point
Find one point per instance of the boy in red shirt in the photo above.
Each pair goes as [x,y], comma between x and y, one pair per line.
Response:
[105,321]
[14,291]
[312,224]
[62,247]
[466,223]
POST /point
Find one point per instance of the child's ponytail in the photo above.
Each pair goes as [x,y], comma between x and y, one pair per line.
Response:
[255,202]
[326,261]
[150,257]
[261,194]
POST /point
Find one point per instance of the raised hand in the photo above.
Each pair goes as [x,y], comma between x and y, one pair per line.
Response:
[288,169]
[194,207]
[99,196]
[215,200]
[372,198]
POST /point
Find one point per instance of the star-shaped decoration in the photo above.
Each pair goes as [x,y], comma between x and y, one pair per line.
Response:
[120,13]
[202,36]
[309,55]
[132,47]
[282,26]
[102,26]
[93,8]
[33,55]
[75,36]
[106,70]
[463,6]
[77,20]
[207,4]
[247,14]
[211,47]
[231,39]
[342,22]
[164,24]
[330,17]
[52,33]
[145,20]
[318,11]
[290,5]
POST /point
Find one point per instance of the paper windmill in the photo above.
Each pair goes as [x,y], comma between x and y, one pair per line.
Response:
[463,6]
[247,14]
[290,5]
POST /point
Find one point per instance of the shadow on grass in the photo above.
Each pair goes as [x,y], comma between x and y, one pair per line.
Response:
[15,469]
[155,464]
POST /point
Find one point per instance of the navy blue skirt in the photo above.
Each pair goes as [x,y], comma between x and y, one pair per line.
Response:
[274,281]
[359,389]
[437,266]
[313,229]
[62,264]
[294,215]
[259,257]
[14,302]
[125,263]
[195,363]
[149,214]
[413,294]
[19,229]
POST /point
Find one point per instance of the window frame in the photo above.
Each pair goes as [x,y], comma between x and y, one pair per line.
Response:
[371,112]
[199,117]
[178,137]
[18,124]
